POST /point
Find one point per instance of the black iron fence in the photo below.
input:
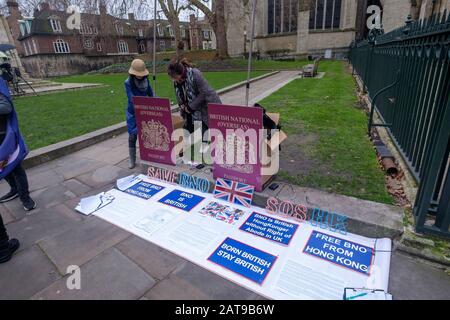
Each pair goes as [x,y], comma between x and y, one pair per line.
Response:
[406,73]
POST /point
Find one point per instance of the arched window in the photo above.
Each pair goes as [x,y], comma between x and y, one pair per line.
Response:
[122,46]
[60,46]
[56,24]
[325,14]
[282,16]
[170,31]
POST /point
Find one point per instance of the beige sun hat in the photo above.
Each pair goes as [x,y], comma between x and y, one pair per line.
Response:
[138,68]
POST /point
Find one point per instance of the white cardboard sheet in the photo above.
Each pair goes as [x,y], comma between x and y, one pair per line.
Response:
[193,236]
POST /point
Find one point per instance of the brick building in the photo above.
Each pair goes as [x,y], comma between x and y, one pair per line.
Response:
[49,48]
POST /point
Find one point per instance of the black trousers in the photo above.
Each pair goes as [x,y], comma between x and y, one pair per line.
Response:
[18,182]
[3,235]
[132,140]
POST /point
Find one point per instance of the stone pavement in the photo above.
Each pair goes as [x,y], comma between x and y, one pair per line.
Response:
[118,265]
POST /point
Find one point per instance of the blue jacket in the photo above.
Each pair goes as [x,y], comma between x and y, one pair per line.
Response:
[133,91]
[13,148]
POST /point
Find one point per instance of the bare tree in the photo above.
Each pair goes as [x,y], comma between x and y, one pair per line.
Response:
[216,17]
[172,10]
[3,8]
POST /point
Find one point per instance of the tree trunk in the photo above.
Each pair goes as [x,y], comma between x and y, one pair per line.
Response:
[216,18]
[175,23]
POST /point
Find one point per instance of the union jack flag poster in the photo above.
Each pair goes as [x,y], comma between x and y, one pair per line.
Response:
[234,192]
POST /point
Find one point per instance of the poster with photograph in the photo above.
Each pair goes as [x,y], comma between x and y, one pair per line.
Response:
[222,212]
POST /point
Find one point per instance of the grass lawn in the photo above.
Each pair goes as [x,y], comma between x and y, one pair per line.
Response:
[328,147]
[56,117]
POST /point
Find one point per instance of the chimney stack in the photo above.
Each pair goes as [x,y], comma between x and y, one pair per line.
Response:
[102,8]
[44,6]
[131,16]
[13,8]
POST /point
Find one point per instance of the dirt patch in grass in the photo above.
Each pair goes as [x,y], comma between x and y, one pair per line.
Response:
[295,155]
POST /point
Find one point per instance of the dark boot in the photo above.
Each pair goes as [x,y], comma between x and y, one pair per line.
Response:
[132,158]
[8,249]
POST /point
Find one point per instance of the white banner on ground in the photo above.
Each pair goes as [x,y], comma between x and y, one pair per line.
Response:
[275,257]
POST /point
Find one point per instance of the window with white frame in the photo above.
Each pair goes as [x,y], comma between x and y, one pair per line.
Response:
[34,46]
[141,33]
[28,26]
[170,31]
[207,34]
[30,47]
[56,25]
[99,47]
[282,16]
[325,14]
[160,31]
[22,29]
[207,45]
[26,48]
[61,46]
[122,46]
[183,31]
[162,45]
[142,46]
[86,29]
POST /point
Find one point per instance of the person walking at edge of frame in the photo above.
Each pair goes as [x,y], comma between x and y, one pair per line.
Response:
[193,93]
[137,85]
[13,151]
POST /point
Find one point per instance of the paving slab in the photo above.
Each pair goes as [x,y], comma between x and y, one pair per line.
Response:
[40,224]
[156,261]
[110,276]
[77,166]
[82,243]
[27,273]
[116,155]
[102,176]
[415,279]
[195,283]
[76,187]
[51,196]
[7,215]
[44,179]
[174,288]
[95,152]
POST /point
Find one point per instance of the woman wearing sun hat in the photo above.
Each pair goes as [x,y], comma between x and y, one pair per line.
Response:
[137,85]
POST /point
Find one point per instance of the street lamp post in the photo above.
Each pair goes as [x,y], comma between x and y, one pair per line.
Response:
[154,48]
[245,43]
